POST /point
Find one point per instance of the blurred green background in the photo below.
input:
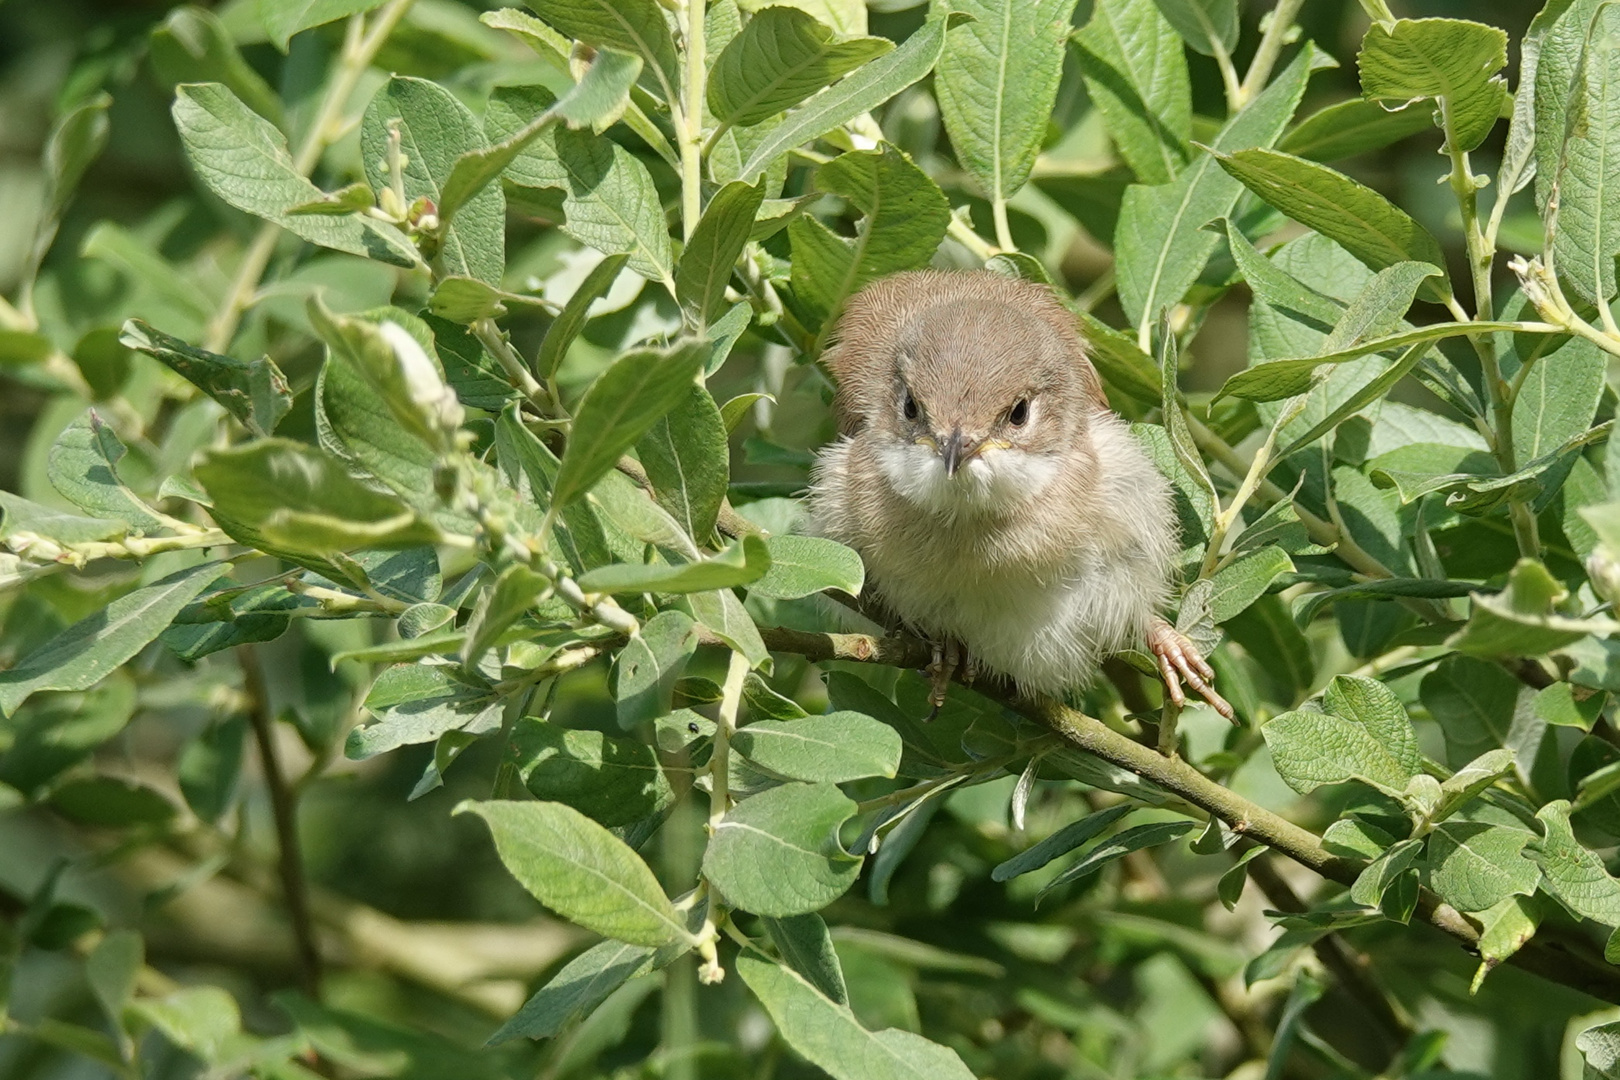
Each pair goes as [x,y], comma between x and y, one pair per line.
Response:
[375,856]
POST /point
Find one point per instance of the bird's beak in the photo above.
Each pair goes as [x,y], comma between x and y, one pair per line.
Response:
[957,449]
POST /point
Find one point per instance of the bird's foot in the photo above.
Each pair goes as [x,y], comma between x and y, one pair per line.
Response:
[1179,660]
[950,656]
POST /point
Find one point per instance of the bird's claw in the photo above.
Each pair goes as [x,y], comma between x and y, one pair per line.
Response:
[1179,661]
[950,656]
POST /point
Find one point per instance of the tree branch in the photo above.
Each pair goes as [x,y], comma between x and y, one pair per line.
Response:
[1552,962]
[284,807]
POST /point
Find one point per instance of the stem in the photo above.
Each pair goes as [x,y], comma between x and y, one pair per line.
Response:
[1223,60]
[1480,259]
[725,727]
[284,807]
[1251,481]
[1271,45]
[1378,11]
[691,121]
[1004,240]
[543,398]
[359,49]
[719,770]
[963,233]
[1322,532]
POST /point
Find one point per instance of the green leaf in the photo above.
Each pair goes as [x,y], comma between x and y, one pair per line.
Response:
[201,1019]
[687,462]
[210,766]
[1278,379]
[1352,127]
[1161,241]
[1523,619]
[111,802]
[244,160]
[1117,847]
[828,1035]
[580,870]
[417,703]
[1229,889]
[582,984]
[95,646]
[1557,399]
[464,300]
[740,563]
[804,565]
[1123,365]
[832,748]
[807,948]
[83,467]
[1356,839]
[1375,707]
[1209,26]
[279,494]
[436,129]
[1378,309]
[1311,749]
[1245,580]
[621,405]
[1468,782]
[502,604]
[609,199]
[1572,874]
[1475,866]
[904,217]
[1060,843]
[598,97]
[1451,60]
[710,255]
[193,46]
[1384,872]
[648,666]
[284,18]
[112,969]
[781,57]
[1362,221]
[1586,233]
[1559,704]
[723,615]
[1136,73]
[75,141]
[567,325]
[778,854]
[863,91]
[256,393]
[632,26]
[997,83]
[357,423]
[613,781]
[346,200]
[1474,703]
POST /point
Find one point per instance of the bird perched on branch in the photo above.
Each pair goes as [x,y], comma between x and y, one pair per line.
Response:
[1002,509]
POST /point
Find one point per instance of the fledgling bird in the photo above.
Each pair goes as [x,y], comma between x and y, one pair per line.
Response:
[999,504]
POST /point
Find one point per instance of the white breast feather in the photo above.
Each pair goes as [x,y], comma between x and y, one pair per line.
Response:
[1048,629]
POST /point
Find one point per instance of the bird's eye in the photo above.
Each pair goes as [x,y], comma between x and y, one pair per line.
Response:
[909,406]
[1018,415]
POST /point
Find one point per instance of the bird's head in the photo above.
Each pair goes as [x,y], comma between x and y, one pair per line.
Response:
[974,402]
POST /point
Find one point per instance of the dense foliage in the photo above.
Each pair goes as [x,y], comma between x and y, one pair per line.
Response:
[407,384]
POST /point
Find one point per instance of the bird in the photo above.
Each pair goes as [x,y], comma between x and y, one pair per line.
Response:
[1003,511]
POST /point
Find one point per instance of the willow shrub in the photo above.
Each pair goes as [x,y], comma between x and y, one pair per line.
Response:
[489,437]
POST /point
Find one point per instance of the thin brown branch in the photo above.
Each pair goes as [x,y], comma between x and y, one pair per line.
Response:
[1347,965]
[284,808]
